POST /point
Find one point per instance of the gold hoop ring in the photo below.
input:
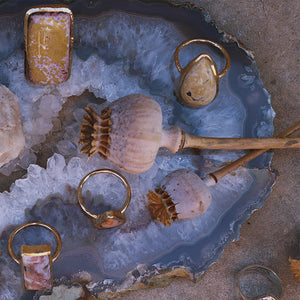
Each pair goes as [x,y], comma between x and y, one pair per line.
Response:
[52,229]
[111,218]
[225,53]
[199,82]
[269,273]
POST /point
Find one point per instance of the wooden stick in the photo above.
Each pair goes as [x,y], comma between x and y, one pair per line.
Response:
[176,139]
[251,155]
[240,143]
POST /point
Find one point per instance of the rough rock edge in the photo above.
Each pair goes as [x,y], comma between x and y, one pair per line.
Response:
[162,278]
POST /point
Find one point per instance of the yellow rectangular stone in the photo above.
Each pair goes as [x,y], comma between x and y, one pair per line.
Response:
[48,44]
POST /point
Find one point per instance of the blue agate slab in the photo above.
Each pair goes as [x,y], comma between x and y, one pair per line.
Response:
[120,48]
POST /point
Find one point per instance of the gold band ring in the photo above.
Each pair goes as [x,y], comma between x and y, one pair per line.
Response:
[225,53]
[108,219]
[52,229]
[269,274]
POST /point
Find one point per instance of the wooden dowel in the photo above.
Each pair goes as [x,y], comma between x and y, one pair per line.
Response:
[239,143]
[251,155]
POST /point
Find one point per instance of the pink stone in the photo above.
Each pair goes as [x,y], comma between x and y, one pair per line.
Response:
[36,266]
[111,223]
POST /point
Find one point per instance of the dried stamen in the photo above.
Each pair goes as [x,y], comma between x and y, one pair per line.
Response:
[162,207]
[94,132]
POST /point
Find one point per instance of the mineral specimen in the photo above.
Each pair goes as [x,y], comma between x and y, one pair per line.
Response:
[63,292]
[11,127]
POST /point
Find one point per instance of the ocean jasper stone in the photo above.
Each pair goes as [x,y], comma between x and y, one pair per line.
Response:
[111,223]
[37,267]
[109,219]
[11,126]
[199,83]
[48,49]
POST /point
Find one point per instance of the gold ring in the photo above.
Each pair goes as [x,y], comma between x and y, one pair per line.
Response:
[269,274]
[111,218]
[199,83]
[52,229]
[226,68]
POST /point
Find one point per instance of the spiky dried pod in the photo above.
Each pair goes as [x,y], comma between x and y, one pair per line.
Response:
[183,195]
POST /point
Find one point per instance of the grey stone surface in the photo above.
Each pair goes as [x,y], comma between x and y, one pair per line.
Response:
[271,234]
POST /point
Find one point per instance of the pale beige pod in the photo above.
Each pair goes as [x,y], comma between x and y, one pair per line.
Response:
[127,133]
[183,195]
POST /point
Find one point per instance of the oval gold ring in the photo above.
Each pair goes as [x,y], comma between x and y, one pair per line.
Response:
[52,229]
[111,218]
[225,53]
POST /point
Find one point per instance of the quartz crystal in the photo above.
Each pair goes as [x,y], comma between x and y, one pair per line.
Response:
[64,293]
[11,128]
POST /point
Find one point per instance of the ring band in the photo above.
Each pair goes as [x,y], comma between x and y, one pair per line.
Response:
[52,229]
[102,218]
[225,53]
[262,270]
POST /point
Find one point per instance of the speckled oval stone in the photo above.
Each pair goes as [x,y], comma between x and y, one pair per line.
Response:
[199,84]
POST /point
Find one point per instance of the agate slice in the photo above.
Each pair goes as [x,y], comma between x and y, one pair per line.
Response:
[123,47]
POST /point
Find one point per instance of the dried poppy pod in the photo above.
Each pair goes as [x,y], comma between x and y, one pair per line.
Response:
[184,195]
[128,133]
